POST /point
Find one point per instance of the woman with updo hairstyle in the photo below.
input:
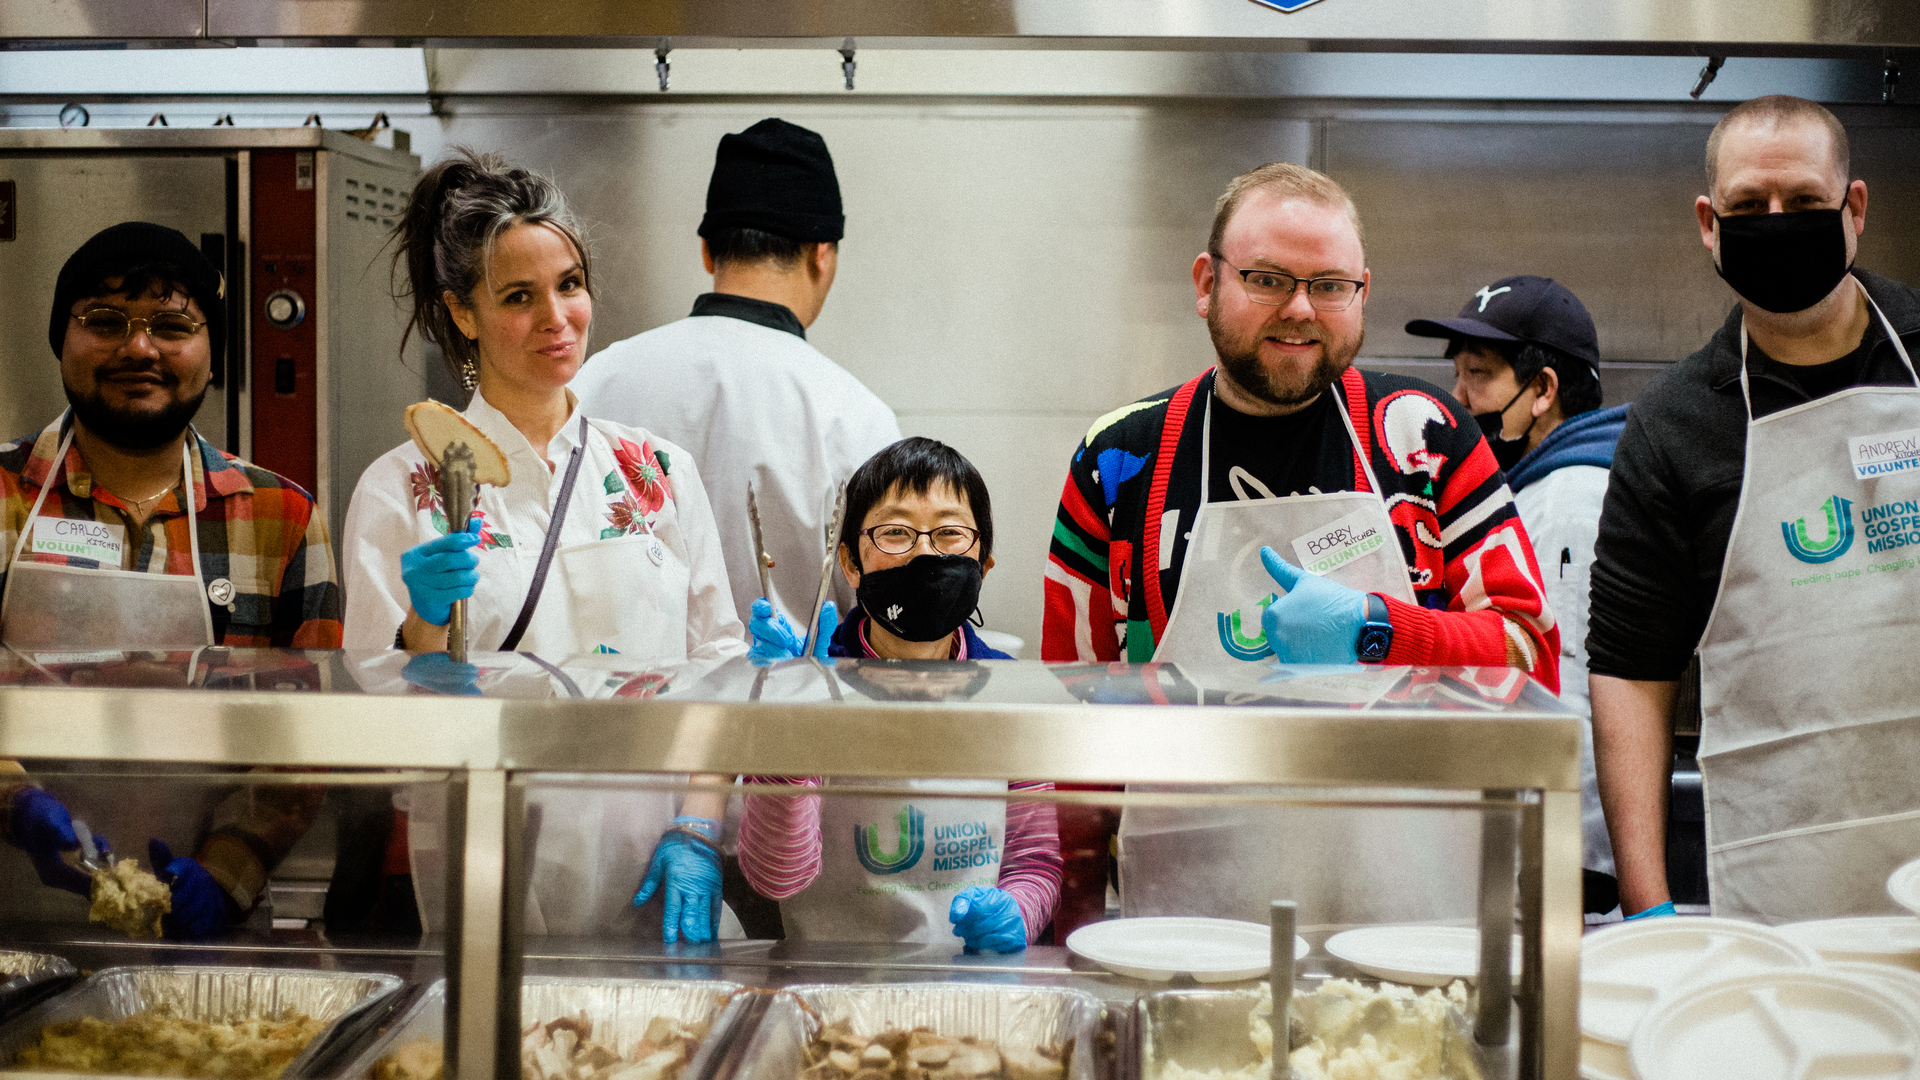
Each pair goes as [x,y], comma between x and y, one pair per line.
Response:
[499,277]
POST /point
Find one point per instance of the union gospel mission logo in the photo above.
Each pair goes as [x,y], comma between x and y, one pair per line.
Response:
[962,846]
[1352,537]
[1887,527]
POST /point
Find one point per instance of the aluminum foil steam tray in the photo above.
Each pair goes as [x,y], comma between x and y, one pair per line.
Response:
[348,1000]
[1207,1029]
[1012,1016]
[33,976]
[619,1009]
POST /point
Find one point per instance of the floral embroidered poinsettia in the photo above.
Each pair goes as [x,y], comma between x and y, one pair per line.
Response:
[644,473]
[641,686]
[425,482]
[625,516]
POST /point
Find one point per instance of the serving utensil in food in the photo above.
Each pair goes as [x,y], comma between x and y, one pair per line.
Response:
[465,459]
[89,851]
[826,566]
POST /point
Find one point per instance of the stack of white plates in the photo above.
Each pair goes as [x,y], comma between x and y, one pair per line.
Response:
[1158,948]
[1416,955]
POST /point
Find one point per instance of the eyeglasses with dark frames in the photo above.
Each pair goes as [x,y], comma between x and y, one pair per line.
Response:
[1275,288]
[113,326]
[900,539]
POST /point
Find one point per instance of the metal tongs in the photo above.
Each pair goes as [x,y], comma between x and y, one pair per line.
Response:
[761,559]
[456,494]
[90,860]
[826,566]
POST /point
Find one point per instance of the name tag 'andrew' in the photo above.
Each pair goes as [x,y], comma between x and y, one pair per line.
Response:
[1352,537]
[79,539]
[1884,455]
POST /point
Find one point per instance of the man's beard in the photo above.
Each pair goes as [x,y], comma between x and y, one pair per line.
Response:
[134,432]
[1288,388]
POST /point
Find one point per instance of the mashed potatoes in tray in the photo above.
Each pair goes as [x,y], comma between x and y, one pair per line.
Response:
[1347,1031]
[157,1043]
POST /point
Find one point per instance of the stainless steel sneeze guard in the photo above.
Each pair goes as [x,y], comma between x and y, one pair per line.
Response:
[618,1007]
[1012,1016]
[215,994]
[1488,736]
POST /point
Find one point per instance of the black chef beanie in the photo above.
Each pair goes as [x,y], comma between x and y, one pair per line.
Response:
[778,178]
[139,253]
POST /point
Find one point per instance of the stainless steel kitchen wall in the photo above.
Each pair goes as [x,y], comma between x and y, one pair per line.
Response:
[1014,268]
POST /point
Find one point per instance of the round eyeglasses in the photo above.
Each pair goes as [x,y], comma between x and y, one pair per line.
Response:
[1275,289]
[112,326]
[900,539]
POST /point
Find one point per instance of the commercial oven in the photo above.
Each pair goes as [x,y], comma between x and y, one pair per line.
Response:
[313,380]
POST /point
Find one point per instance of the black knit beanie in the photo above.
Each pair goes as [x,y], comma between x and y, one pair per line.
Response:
[778,178]
[142,247]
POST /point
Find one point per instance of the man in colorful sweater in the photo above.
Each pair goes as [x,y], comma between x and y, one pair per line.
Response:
[1283,457]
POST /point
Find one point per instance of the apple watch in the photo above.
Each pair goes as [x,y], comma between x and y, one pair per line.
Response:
[1376,634]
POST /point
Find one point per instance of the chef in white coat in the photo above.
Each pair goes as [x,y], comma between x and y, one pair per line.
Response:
[737,383]
[603,542]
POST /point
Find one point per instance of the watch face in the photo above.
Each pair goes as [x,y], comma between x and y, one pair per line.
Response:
[1374,643]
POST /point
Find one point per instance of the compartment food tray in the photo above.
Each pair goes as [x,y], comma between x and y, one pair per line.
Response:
[349,1001]
[621,1007]
[1012,1016]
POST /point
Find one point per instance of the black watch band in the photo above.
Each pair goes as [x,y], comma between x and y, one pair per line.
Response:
[1376,634]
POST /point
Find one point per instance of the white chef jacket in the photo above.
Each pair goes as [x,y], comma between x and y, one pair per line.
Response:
[1561,511]
[752,403]
[395,507]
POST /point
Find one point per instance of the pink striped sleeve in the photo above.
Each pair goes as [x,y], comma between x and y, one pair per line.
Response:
[779,841]
[1031,868]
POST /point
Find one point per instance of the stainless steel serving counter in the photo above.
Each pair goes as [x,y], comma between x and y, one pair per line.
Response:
[1489,737]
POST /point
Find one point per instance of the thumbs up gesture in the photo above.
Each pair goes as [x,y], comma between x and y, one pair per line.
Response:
[1317,621]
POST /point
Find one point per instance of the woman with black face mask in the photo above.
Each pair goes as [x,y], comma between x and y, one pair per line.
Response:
[915,544]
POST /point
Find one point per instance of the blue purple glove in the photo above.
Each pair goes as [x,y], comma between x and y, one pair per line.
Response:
[1663,908]
[691,872]
[199,903]
[988,919]
[441,571]
[439,673]
[40,826]
[775,639]
[1317,621]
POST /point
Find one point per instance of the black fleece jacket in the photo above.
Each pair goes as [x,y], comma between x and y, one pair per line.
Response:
[1676,484]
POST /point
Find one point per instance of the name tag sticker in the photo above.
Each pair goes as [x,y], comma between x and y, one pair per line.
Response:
[1883,455]
[1331,547]
[80,539]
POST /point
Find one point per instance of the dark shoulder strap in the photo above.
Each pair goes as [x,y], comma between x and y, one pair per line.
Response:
[551,545]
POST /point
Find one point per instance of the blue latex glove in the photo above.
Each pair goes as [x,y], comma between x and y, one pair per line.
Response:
[988,919]
[1317,621]
[1654,912]
[691,873]
[41,827]
[775,639]
[199,904]
[441,571]
[436,671]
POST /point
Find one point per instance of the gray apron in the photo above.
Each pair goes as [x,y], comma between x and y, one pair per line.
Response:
[1809,674]
[48,606]
[890,868]
[1343,867]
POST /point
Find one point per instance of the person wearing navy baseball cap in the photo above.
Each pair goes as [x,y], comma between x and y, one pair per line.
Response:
[1526,360]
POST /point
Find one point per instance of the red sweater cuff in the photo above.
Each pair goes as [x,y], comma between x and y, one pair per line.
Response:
[1414,630]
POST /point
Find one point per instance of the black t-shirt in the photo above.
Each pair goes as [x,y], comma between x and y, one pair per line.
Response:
[1299,454]
[1815,381]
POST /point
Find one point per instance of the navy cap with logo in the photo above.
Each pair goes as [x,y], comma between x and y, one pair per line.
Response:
[1522,308]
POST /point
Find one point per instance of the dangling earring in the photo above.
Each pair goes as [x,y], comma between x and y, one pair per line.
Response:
[469,374]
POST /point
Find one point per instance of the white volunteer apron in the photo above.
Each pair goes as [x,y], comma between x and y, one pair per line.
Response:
[1809,671]
[1342,866]
[890,868]
[48,606]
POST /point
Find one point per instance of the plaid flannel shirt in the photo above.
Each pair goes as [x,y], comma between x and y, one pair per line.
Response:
[257,529]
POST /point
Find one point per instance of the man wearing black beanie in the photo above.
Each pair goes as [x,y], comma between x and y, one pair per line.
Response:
[737,384]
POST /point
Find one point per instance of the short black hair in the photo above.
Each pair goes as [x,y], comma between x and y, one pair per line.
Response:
[916,464]
[754,245]
[1579,382]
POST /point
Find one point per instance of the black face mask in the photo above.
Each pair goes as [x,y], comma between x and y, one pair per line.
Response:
[1507,452]
[1783,262]
[924,600]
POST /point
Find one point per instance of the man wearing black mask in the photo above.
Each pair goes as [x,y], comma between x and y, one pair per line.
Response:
[1761,514]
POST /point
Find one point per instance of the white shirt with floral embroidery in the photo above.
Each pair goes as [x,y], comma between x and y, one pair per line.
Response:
[629,482]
